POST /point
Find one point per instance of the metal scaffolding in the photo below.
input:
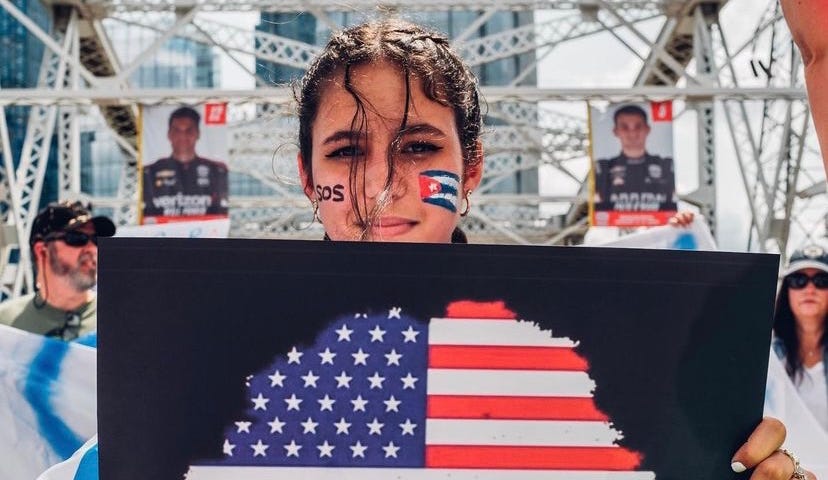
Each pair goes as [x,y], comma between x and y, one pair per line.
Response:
[680,47]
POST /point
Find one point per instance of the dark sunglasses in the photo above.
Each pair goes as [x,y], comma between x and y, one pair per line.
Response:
[798,281]
[73,238]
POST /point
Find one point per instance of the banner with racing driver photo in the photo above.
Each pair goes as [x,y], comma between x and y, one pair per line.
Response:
[632,178]
[183,154]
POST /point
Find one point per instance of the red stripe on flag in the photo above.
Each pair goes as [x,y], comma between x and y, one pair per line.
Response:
[531,458]
[472,309]
[513,408]
[505,358]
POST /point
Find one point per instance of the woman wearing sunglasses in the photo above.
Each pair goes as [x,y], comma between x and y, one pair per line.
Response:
[799,327]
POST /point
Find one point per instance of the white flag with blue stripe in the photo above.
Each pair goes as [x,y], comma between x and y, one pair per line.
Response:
[48,405]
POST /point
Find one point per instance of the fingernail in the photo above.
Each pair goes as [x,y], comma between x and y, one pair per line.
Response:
[737,467]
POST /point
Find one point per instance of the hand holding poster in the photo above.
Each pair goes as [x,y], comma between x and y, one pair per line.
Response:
[633,180]
[695,236]
[184,177]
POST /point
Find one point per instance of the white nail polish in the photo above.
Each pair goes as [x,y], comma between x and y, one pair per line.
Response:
[737,467]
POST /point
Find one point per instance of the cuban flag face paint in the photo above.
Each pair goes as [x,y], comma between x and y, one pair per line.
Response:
[439,187]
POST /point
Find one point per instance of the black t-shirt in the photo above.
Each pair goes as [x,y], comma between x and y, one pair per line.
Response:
[197,187]
[635,184]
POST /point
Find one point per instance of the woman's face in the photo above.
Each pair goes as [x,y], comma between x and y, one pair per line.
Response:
[809,302]
[426,195]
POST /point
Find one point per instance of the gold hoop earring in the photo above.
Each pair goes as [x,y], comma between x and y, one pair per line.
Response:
[315,205]
[468,203]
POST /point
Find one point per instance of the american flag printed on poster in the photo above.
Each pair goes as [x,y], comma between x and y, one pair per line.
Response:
[475,395]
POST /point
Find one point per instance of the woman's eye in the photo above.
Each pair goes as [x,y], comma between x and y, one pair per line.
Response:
[420,147]
[350,151]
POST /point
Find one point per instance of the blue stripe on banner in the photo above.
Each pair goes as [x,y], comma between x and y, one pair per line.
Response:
[685,241]
[43,372]
[88,466]
[90,340]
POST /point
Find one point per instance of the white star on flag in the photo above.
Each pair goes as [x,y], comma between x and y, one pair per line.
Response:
[294,356]
[358,450]
[276,425]
[243,427]
[391,450]
[228,447]
[394,312]
[277,379]
[375,427]
[326,403]
[393,358]
[344,333]
[376,381]
[410,335]
[293,402]
[259,449]
[343,380]
[359,403]
[342,426]
[310,379]
[327,356]
[408,427]
[260,402]
[309,425]
[377,334]
[292,449]
[408,381]
[360,357]
[325,449]
[391,404]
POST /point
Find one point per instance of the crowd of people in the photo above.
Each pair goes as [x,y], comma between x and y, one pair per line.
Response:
[390,117]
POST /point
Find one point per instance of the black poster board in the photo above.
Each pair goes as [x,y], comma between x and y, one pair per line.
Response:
[676,342]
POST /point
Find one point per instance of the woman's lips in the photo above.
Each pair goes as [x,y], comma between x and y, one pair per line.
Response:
[391,226]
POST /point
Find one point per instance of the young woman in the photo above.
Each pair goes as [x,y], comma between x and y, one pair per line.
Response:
[389,150]
[799,327]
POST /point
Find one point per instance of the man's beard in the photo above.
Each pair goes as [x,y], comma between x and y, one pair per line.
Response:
[81,280]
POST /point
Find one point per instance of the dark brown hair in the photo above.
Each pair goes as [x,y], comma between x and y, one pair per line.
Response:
[784,327]
[417,52]
[185,112]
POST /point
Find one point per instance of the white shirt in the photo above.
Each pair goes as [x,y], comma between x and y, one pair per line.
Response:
[814,392]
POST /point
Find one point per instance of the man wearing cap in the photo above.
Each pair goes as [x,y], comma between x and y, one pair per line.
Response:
[64,249]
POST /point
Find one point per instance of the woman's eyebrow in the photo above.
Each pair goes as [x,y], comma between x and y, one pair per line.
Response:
[342,135]
[424,128]
[417,128]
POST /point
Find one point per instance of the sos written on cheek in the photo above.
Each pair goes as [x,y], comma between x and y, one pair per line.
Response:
[333,193]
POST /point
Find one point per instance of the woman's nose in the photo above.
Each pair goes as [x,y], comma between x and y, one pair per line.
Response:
[377,171]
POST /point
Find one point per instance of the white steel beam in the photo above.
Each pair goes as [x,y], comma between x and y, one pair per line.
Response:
[68,137]
[105,97]
[36,146]
[109,6]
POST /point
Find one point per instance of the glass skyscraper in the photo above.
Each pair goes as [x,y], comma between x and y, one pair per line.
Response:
[22,55]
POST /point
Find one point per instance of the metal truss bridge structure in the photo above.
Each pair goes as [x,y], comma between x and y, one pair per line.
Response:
[742,105]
